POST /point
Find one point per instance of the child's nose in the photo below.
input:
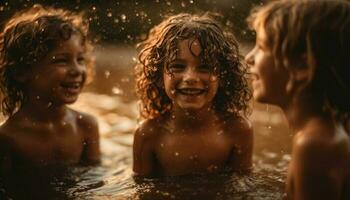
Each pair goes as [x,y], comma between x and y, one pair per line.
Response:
[77,69]
[190,75]
[249,58]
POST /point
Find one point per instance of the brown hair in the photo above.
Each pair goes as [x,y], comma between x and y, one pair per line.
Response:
[219,50]
[27,37]
[319,30]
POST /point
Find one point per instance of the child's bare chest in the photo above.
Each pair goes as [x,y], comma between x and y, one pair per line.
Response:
[49,145]
[179,154]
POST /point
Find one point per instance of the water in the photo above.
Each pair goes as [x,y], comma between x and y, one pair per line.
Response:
[114,179]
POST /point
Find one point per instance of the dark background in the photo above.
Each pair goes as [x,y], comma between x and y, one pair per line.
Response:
[117,25]
[125,21]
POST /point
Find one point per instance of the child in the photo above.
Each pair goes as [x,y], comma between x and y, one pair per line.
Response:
[43,62]
[194,99]
[301,63]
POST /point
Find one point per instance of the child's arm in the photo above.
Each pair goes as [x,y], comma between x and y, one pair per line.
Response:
[242,154]
[316,169]
[91,154]
[143,150]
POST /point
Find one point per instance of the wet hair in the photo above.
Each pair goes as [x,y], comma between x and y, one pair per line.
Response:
[27,38]
[319,30]
[220,51]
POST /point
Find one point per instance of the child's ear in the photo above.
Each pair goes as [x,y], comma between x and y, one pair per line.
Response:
[306,70]
[302,74]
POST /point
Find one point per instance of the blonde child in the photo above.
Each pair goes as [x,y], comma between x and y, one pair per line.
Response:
[194,100]
[45,55]
[301,63]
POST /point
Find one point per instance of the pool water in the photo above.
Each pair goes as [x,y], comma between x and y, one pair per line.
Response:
[114,179]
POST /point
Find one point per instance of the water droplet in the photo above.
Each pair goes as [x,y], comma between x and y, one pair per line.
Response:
[117,91]
[38,97]
[268,126]
[123,17]
[107,73]
[213,78]
[162,145]
[177,154]
[126,79]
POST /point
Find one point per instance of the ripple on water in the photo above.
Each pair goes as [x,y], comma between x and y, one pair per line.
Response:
[114,179]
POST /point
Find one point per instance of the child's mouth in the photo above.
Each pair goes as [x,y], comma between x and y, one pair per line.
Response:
[71,87]
[253,76]
[191,91]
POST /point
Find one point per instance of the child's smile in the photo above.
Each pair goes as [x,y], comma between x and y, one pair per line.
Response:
[188,82]
[60,77]
[72,88]
[268,81]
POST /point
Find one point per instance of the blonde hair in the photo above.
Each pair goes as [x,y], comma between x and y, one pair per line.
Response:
[319,30]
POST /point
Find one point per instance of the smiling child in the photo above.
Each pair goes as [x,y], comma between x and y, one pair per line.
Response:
[194,100]
[45,55]
[301,63]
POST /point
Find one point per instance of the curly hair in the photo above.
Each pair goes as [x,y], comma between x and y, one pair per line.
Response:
[220,50]
[26,39]
[320,31]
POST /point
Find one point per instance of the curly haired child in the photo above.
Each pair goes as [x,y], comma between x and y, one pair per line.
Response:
[45,55]
[301,63]
[194,100]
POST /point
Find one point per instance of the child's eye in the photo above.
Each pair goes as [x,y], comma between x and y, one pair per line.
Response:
[204,68]
[176,67]
[56,60]
[81,59]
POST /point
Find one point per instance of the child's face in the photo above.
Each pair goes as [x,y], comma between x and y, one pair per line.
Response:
[190,83]
[60,76]
[269,82]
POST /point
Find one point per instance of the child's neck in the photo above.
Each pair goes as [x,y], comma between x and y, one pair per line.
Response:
[193,119]
[40,111]
[298,113]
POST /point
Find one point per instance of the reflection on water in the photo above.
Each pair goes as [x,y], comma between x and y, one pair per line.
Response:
[114,179]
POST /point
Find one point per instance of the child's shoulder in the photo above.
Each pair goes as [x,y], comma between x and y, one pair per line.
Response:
[84,118]
[86,122]
[238,125]
[150,128]
[321,141]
